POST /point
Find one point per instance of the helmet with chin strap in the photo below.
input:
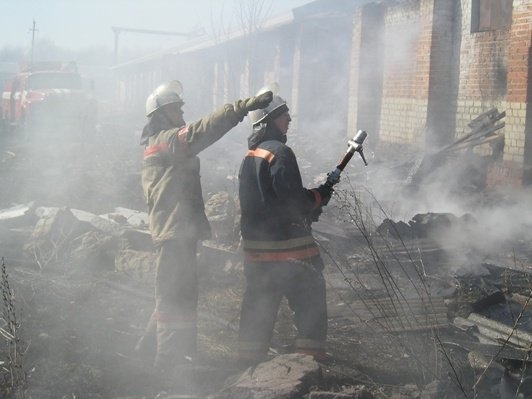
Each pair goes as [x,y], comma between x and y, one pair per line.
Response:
[276,107]
[167,93]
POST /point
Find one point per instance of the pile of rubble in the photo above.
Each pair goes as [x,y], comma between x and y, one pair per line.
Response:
[480,319]
[70,245]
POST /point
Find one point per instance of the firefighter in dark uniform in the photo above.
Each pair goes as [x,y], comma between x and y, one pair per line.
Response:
[281,257]
[172,188]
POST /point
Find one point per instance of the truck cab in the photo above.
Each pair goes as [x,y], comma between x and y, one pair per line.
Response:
[45,99]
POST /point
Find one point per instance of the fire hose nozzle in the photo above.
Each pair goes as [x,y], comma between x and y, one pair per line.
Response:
[354,145]
[360,137]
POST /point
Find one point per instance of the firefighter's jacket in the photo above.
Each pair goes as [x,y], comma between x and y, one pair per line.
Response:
[275,206]
[171,172]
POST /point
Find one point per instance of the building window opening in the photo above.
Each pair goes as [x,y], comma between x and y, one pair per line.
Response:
[490,15]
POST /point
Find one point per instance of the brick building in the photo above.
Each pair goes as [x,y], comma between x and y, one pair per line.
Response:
[454,61]
[411,72]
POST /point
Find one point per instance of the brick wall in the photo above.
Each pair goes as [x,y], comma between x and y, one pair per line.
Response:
[518,130]
[440,76]
[494,72]
[518,56]
[482,76]
[407,41]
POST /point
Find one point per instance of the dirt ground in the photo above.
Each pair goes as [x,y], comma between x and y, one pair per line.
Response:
[78,326]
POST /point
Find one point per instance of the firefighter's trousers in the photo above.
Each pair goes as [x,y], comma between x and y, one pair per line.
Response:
[266,283]
[176,301]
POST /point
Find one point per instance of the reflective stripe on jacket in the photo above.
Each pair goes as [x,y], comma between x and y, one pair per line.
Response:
[281,250]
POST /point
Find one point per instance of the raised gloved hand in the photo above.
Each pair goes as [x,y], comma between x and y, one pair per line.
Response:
[258,102]
[325,193]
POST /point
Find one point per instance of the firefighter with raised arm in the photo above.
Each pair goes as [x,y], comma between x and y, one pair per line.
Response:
[281,258]
[172,189]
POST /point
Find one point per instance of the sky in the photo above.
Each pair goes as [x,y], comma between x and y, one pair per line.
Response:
[78,24]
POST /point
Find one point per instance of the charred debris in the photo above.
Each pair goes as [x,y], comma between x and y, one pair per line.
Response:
[424,302]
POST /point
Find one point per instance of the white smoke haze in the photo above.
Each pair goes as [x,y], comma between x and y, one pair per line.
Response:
[99,169]
[402,42]
[496,222]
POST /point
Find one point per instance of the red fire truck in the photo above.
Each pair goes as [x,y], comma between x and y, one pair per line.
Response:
[46,98]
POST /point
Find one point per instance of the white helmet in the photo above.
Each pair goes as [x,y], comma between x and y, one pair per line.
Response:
[274,109]
[167,93]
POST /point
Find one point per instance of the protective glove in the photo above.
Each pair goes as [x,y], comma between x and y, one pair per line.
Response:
[258,102]
[325,193]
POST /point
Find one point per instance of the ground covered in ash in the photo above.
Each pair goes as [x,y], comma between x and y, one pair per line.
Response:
[392,297]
